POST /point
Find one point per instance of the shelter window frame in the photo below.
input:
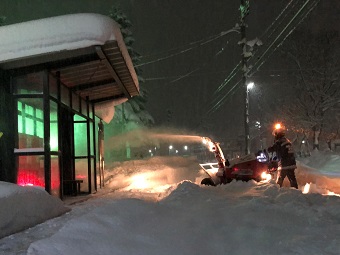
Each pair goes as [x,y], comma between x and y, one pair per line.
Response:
[28,158]
[84,114]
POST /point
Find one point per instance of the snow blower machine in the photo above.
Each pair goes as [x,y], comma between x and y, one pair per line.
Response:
[256,167]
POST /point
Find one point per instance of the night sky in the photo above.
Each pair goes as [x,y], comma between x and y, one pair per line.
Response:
[183,74]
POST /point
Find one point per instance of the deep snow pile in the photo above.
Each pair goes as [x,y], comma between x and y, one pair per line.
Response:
[240,218]
[23,207]
[321,170]
[147,208]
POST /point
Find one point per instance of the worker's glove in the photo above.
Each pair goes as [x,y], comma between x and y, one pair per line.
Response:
[272,166]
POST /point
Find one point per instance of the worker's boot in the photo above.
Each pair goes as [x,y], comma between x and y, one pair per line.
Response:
[292,179]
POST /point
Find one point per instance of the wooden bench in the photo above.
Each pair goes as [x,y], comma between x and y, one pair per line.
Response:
[75,184]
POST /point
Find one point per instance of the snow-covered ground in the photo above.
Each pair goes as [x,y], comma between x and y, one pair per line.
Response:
[157,206]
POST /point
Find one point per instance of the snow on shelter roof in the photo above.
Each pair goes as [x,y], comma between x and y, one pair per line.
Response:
[86,50]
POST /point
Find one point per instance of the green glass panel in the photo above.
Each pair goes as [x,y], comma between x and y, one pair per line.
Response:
[90,111]
[80,139]
[54,126]
[91,139]
[40,129]
[39,114]
[29,126]
[20,124]
[78,118]
[19,106]
[97,120]
[29,110]
[30,123]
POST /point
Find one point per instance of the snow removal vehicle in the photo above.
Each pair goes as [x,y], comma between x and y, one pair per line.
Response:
[249,167]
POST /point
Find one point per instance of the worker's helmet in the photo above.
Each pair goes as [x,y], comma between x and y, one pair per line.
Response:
[279,131]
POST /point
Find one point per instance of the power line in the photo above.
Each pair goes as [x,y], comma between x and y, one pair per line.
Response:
[229,78]
[184,76]
[281,33]
[237,67]
[223,71]
[291,31]
[211,39]
[278,17]
[188,74]
[181,46]
[220,101]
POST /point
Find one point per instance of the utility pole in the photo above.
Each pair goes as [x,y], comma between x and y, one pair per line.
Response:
[244,8]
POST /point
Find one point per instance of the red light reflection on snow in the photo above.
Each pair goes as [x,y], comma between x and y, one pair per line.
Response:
[29,178]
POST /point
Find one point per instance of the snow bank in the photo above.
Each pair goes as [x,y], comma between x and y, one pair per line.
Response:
[322,169]
[238,218]
[326,163]
[24,207]
[159,213]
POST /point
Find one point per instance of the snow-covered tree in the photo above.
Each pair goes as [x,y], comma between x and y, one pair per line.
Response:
[131,114]
[2,20]
[133,110]
[317,82]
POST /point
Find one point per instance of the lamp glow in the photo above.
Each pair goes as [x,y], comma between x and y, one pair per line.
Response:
[250,85]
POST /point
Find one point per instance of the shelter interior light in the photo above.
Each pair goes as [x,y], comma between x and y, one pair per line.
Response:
[54,143]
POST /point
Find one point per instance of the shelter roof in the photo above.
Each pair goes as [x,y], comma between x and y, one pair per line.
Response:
[85,50]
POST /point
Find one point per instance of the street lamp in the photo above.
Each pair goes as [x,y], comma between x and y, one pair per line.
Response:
[249,86]
[170,148]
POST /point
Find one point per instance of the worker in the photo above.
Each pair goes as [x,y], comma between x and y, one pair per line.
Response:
[285,156]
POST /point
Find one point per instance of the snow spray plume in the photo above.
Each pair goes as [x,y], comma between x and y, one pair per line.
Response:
[154,136]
